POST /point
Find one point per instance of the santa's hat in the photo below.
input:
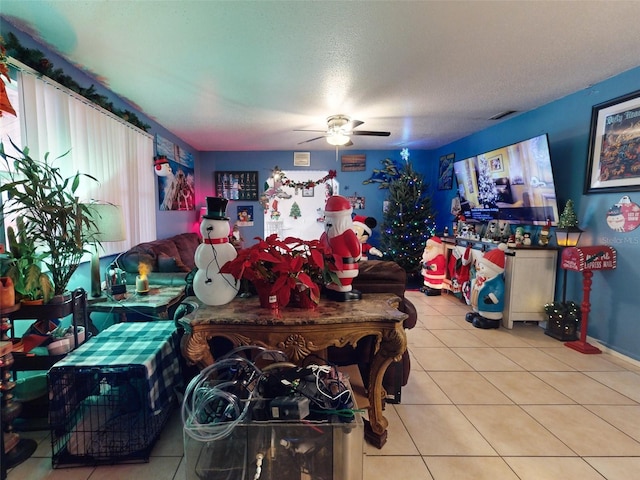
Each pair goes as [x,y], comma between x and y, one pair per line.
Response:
[338,205]
[434,241]
[366,223]
[495,259]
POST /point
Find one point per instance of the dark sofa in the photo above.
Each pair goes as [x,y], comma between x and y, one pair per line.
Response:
[170,259]
[378,276]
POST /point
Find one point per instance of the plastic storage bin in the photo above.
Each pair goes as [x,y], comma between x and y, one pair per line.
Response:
[289,450]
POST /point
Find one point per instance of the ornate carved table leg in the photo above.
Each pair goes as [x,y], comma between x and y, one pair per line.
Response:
[392,346]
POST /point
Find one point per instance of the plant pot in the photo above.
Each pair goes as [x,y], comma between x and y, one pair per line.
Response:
[7,292]
[302,299]
[275,300]
[37,301]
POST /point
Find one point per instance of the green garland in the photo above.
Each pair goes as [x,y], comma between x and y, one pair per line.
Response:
[36,60]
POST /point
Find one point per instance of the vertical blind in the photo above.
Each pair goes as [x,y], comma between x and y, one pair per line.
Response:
[56,120]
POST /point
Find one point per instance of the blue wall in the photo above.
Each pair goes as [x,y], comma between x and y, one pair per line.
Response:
[614,305]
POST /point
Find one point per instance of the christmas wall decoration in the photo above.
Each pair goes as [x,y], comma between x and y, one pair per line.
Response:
[624,215]
[295,211]
[408,222]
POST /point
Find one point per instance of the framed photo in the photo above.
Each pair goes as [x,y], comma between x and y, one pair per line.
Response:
[445,172]
[354,163]
[301,159]
[308,192]
[614,141]
[237,185]
[495,164]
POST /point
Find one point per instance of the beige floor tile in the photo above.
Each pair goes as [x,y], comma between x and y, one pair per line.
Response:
[400,467]
[443,359]
[438,322]
[512,432]
[443,430]
[421,337]
[500,337]
[422,390]
[525,388]
[168,444]
[464,388]
[582,362]
[399,442]
[616,468]
[459,338]
[583,389]
[627,383]
[35,468]
[535,336]
[471,468]
[552,468]
[624,417]
[158,468]
[487,359]
[534,360]
[583,431]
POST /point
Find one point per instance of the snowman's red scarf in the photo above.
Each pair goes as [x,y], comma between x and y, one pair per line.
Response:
[216,241]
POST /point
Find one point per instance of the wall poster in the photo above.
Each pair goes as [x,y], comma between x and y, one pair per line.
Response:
[176,181]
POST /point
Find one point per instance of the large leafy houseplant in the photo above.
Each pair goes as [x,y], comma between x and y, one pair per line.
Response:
[55,221]
[283,265]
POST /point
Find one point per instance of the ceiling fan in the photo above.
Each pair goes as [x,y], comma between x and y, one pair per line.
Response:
[339,131]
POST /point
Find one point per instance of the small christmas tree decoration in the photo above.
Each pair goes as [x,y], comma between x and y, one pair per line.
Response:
[568,217]
[568,233]
[295,211]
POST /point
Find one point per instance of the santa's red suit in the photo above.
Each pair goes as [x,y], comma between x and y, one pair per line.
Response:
[342,242]
[434,265]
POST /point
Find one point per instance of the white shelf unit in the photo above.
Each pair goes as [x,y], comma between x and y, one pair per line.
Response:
[530,282]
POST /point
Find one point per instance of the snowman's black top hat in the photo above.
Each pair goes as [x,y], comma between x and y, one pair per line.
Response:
[216,208]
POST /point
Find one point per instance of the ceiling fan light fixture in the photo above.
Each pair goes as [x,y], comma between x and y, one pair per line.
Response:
[338,139]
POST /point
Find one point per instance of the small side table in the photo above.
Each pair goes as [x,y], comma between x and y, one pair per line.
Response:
[586,260]
[155,305]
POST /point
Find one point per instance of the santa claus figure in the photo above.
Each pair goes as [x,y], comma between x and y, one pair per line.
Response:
[487,292]
[433,266]
[363,226]
[341,241]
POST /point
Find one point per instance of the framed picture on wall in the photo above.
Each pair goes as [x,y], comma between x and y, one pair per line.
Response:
[307,192]
[237,185]
[445,172]
[354,163]
[614,143]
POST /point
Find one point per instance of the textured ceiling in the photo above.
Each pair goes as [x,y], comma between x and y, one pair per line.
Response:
[243,75]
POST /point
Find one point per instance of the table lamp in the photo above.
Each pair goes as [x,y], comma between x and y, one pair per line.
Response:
[108,227]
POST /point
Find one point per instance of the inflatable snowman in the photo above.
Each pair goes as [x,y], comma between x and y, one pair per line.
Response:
[209,285]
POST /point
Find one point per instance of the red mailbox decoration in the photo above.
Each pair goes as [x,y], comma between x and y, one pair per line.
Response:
[580,259]
[586,260]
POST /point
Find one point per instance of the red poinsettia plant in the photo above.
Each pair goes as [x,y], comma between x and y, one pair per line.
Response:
[285,265]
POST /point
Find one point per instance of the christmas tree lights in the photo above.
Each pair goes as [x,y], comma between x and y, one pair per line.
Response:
[408,221]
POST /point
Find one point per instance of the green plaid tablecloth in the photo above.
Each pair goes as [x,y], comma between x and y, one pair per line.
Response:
[151,344]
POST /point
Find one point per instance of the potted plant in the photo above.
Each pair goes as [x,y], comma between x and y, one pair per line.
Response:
[31,284]
[278,268]
[54,220]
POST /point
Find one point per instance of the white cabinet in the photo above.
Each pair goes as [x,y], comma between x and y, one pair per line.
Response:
[530,281]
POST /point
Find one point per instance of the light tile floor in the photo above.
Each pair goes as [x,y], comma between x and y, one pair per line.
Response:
[480,404]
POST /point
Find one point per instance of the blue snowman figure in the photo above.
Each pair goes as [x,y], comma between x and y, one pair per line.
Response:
[210,286]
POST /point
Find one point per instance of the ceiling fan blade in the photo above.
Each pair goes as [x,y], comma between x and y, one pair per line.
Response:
[356,123]
[350,143]
[312,139]
[371,133]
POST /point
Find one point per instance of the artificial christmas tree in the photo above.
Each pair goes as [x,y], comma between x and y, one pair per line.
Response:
[408,220]
[487,191]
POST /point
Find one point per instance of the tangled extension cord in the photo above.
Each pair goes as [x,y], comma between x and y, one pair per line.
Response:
[214,259]
[219,398]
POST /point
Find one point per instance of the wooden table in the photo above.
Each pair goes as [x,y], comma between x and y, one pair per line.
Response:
[154,305]
[299,333]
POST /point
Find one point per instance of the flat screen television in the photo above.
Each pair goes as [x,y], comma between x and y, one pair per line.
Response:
[513,183]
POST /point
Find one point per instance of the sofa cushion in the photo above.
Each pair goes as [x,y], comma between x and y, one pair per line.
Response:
[131,259]
[187,244]
[167,264]
[168,247]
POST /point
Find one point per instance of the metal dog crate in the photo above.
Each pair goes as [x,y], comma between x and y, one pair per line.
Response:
[110,398]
